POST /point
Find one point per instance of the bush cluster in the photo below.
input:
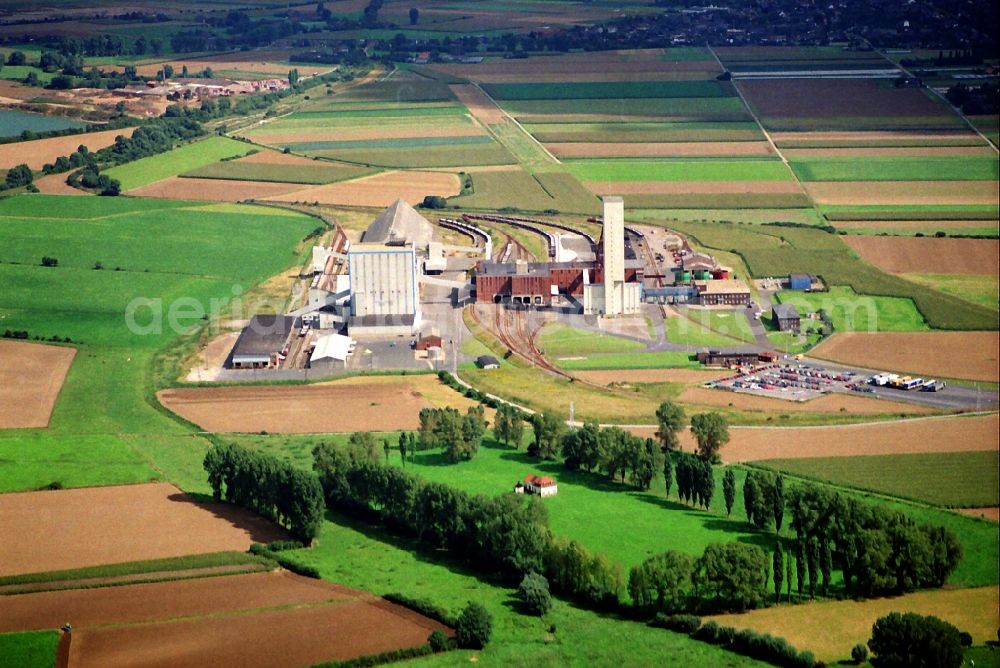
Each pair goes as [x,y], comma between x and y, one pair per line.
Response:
[681,623]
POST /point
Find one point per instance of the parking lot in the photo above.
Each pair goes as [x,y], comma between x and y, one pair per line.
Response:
[805,380]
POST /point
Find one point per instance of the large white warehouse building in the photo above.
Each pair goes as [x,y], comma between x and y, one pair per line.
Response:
[385,297]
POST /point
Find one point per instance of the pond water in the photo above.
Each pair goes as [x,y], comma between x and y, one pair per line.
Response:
[13,123]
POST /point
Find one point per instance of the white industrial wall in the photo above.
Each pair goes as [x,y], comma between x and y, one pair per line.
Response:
[614,253]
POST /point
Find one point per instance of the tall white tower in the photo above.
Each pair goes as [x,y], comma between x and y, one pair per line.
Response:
[614,254]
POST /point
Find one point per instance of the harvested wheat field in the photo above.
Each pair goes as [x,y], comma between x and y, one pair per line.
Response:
[378,190]
[829,403]
[427,385]
[914,224]
[260,619]
[217,190]
[37,152]
[903,192]
[650,376]
[481,106]
[55,184]
[965,355]
[57,530]
[367,133]
[928,255]
[305,409]
[31,375]
[691,187]
[846,623]
[659,150]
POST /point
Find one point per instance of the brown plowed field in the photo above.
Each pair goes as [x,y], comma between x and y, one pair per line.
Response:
[37,152]
[76,528]
[55,184]
[914,436]
[218,190]
[298,410]
[967,355]
[666,149]
[887,151]
[928,255]
[31,375]
[262,619]
[903,192]
[831,403]
[991,514]
[378,190]
[846,623]
[650,376]
[481,106]
[829,98]
[914,224]
[690,187]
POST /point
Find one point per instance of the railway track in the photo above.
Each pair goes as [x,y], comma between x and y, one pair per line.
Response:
[512,329]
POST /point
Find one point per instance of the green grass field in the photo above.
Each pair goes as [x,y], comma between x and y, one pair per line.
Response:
[959,480]
[103,429]
[678,170]
[982,290]
[457,155]
[851,312]
[31,649]
[184,159]
[929,212]
[644,132]
[684,331]
[394,144]
[603,90]
[255,171]
[964,168]
[731,325]
[557,339]
[653,360]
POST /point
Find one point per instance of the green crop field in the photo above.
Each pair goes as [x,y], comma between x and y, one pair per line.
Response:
[392,144]
[529,192]
[184,159]
[557,339]
[929,212]
[685,332]
[396,112]
[982,290]
[31,649]
[954,479]
[772,250]
[20,72]
[416,158]
[964,168]
[851,312]
[413,89]
[614,90]
[173,256]
[679,170]
[652,360]
[322,172]
[694,108]
[644,132]
[745,202]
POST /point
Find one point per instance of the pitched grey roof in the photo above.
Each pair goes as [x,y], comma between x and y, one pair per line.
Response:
[784,311]
[399,223]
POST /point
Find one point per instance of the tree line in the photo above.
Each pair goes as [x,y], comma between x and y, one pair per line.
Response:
[290,497]
[458,435]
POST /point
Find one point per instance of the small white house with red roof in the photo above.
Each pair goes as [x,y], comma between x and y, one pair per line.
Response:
[540,485]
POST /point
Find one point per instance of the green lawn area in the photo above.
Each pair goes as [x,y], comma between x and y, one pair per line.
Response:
[730,324]
[682,330]
[851,312]
[963,168]
[31,649]
[104,429]
[183,159]
[358,555]
[962,479]
[644,360]
[982,290]
[20,72]
[679,170]
[558,340]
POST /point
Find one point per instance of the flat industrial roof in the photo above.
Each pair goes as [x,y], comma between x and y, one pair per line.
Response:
[264,334]
[722,286]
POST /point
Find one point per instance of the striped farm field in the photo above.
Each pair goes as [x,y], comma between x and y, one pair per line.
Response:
[315,173]
[868,168]
[874,139]
[417,157]
[334,115]
[364,131]
[394,144]
[378,190]
[667,150]
[984,213]
[531,192]
[940,193]
[609,90]
[693,108]
[929,255]
[679,170]
[164,165]
[645,132]
[693,187]
[954,226]
[214,190]
[804,154]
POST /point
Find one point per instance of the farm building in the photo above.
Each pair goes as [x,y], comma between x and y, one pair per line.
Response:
[384,291]
[540,485]
[264,342]
[799,281]
[786,317]
[429,346]
[487,362]
[331,349]
[399,224]
[722,291]
[730,358]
